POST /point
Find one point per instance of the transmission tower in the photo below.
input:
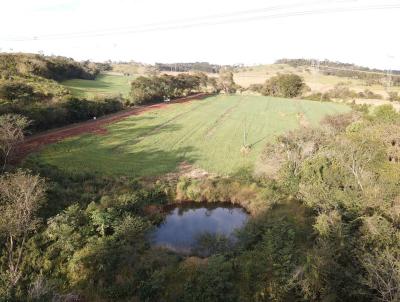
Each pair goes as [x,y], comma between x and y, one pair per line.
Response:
[389,74]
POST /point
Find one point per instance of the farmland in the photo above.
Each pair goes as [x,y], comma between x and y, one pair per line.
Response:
[206,133]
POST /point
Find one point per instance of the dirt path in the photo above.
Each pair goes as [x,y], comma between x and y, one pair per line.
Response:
[35,142]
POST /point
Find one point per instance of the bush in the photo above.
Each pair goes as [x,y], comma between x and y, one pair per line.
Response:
[341,91]
[368,94]
[394,96]
[318,96]
[256,87]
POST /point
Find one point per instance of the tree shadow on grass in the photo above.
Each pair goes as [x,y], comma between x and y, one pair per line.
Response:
[126,138]
[119,153]
[89,84]
[155,162]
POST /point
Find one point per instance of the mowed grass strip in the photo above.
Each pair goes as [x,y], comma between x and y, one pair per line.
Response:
[207,133]
[103,85]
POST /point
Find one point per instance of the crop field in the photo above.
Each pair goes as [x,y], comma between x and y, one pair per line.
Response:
[104,84]
[207,134]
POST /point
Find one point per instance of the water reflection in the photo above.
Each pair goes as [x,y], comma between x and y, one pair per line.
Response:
[184,225]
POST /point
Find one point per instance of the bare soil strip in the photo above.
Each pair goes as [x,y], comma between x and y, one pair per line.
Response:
[36,142]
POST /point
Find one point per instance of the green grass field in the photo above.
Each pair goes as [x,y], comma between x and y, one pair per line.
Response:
[104,84]
[207,133]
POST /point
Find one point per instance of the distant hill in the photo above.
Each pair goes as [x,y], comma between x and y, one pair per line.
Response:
[373,75]
[328,63]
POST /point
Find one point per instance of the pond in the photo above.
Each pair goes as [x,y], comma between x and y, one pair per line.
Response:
[185,225]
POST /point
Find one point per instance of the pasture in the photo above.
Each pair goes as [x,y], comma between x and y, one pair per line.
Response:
[103,85]
[207,134]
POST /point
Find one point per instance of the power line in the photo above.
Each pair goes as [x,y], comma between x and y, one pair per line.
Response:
[162,26]
[185,20]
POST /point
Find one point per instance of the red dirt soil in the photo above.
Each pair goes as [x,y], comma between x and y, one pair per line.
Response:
[35,142]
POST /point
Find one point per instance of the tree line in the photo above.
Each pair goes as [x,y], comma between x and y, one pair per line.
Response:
[186,67]
[370,75]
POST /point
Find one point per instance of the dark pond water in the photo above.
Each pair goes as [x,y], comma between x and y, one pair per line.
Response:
[185,224]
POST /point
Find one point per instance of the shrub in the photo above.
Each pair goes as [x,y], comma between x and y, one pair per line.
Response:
[394,96]
[256,87]
[318,96]
[368,94]
[341,91]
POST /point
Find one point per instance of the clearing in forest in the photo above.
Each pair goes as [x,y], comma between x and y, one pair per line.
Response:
[207,134]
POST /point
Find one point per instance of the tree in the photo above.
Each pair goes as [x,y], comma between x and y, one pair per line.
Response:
[146,89]
[11,133]
[384,274]
[203,78]
[21,195]
[284,85]
[291,149]
[213,83]
[226,82]
[156,88]
[217,272]
[358,153]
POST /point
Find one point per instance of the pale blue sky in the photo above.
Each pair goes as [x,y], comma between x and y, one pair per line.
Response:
[367,37]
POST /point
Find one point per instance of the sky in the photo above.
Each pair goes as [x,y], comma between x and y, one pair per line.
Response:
[216,31]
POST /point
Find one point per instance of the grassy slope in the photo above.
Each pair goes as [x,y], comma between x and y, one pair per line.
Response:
[103,85]
[207,133]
